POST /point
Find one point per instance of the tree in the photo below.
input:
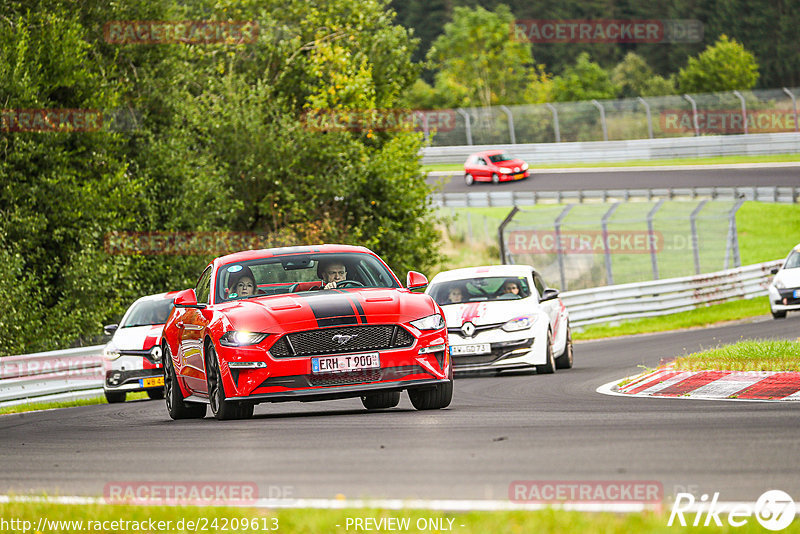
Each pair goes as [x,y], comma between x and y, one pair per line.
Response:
[585,80]
[478,57]
[634,77]
[723,66]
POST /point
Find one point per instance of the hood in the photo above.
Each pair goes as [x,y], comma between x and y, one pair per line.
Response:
[510,164]
[789,277]
[137,337]
[317,309]
[486,312]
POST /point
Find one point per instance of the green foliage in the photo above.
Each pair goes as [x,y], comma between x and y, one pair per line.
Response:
[634,77]
[478,55]
[585,80]
[724,66]
[218,142]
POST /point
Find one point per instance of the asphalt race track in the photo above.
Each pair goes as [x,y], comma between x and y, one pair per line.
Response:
[498,430]
[655,178]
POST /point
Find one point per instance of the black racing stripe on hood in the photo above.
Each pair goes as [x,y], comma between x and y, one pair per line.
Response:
[332,310]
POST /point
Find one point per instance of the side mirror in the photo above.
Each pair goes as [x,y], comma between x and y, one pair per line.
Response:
[110,329]
[416,280]
[187,299]
[549,294]
[774,270]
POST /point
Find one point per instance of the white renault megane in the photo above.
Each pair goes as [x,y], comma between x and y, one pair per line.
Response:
[503,317]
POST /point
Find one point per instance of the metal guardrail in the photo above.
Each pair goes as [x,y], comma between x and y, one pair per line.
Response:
[662,297]
[782,194]
[75,373]
[51,376]
[629,150]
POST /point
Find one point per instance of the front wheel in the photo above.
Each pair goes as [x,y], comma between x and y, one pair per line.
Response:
[115,397]
[778,315]
[469,179]
[432,398]
[495,178]
[221,408]
[176,406]
[549,367]
[565,360]
[380,401]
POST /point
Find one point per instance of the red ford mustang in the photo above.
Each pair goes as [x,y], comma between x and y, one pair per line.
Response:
[266,326]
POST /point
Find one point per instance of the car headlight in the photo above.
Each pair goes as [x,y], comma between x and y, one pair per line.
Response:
[431,322]
[519,323]
[778,284]
[111,352]
[505,171]
[241,338]
[524,166]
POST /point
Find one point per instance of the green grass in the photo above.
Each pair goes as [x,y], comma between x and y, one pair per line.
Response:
[718,160]
[314,521]
[750,355]
[727,311]
[36,406]
[767,231]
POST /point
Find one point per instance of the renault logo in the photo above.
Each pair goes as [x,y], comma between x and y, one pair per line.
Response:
[341,339]
[468,329]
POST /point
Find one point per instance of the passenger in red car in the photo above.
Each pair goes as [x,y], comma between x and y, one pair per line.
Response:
[242,284]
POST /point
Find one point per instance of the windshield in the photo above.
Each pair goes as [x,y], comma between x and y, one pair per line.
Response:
[480,289]
[298,273]
[793,261]
[148,312]
[500,157]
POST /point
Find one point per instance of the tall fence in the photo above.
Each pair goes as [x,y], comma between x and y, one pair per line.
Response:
[590,245]
[733,112]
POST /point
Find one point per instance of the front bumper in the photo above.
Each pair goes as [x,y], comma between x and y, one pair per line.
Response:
[783,299]
[514,177]
[517,350]
[132,380]
[341,392]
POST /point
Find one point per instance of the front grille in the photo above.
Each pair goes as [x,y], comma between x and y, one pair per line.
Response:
[319,342]
[337,379]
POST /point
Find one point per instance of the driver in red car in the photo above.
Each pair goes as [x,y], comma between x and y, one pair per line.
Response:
[331,273]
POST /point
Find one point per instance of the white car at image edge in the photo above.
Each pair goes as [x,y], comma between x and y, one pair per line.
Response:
[503,317]
[784,291]
[133,356]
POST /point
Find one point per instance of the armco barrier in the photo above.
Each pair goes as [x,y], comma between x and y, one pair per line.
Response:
[661,297]
[787,194]
[704,146]
[50,376]
[79,372]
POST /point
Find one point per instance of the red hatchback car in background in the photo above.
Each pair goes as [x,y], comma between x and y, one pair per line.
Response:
[260,327]
[494,166]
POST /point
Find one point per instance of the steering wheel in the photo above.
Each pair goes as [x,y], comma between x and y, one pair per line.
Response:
[348,283]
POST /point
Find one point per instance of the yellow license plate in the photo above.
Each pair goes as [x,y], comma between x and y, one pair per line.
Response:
[151,382]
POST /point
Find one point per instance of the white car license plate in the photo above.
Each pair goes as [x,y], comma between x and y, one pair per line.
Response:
[340,364]
[482,348]
[796,294]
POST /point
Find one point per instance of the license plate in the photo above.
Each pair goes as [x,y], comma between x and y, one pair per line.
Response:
[483,348]
[151,382]
[341,364]
[796,294]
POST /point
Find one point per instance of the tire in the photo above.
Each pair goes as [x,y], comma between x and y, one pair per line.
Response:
[469,179]
[115,397]
[549,367]
[222,409]
[432,398]
[155,394]
[495,178]
[779,315]
[565,360]
[381,401]
[176,406]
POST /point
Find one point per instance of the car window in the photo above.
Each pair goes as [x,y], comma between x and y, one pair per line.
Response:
[203,289]
[539,283]
[793,261]
[500,157]
[296,273]
[481,161]
[479,289]
[147,312]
